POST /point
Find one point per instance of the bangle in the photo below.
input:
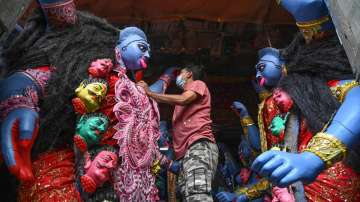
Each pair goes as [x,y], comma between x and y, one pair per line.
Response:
[246,121]
[327,147]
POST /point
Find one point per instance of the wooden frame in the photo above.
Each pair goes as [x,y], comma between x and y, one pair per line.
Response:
[346,17]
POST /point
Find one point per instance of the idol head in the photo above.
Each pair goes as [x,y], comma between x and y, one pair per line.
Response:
[270,67]
[283,100]
[312,17]
[100,68]
[132,49]
[89,130]
[90,94]
[98,171]
[190,72]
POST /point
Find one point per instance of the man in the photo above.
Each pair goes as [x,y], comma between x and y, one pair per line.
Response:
[194,143]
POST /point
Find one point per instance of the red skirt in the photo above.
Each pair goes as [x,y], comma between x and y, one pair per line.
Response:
[54,179]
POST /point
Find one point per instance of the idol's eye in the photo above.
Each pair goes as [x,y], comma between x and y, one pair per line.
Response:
[260,67]
[142,47]
[99,122]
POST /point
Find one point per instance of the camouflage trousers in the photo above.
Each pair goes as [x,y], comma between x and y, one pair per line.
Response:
[198,168]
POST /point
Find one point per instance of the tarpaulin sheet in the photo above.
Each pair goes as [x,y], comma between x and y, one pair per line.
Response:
[247,11]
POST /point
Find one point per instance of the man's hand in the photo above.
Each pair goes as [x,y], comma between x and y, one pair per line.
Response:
[144,85]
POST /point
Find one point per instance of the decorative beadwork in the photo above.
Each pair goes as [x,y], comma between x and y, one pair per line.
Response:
[40,77]
[54,179]
[256,190]
[60,13]
[137,135]
[340,91]
[155,168]
[28,100]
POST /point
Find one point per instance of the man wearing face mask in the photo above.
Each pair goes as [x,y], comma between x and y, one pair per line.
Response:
[193,141]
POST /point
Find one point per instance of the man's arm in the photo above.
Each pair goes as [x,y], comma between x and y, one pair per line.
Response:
[185,98]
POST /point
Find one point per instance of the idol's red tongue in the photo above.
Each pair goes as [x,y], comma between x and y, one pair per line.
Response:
[139,75]
[262,81]
[143,63]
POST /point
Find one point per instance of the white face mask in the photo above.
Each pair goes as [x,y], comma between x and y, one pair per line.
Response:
[180,82]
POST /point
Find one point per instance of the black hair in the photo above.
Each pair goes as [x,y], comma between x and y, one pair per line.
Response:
[310,67]
[196,70]
[70,50]
[324,58]
[312,97]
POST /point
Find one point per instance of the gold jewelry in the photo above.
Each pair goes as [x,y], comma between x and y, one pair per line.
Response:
[284,70]
[254,191]
[327,147]
[261,126]
[341,91]
[312,23]
[246,121]
[264,94]
[155,167]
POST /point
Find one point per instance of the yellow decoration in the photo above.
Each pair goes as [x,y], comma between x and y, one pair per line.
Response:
[155,168]
[261,127]
[312,29]
[275,148]
[312,23]
[340,91]
[92,94]
[246,121]
[256,190]
[328,148]
[264,94]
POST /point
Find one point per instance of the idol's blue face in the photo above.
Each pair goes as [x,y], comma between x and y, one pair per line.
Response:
[268,71]
[134,51]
